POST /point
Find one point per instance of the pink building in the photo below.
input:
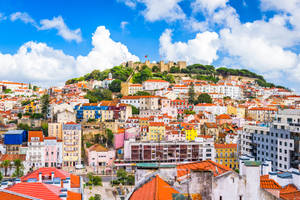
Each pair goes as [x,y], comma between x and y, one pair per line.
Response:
[53,152]
[124,134]
[100,156]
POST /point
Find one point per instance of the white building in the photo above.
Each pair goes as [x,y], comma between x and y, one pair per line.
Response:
[106,82]
[155,84]
[212,108]
[35,156]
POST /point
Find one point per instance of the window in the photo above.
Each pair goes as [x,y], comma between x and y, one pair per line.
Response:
[220,198]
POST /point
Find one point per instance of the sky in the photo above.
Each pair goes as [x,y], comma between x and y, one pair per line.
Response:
[47,42]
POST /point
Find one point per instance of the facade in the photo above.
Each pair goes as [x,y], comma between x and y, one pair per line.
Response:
[99,156]
[227,154]
[134,88]
[277,142]
[53,152]
[55,130]
[13,140]
[167,152]
[154,84]
[262,114]
[157,131]
[71,144]
[35,156]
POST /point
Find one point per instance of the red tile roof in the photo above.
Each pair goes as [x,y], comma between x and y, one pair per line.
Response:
[38,134]
[217,169]
[156,124]
[269,184]
[290,192]
[157,80]
[9,195]
[37,190]
[154,189]
[46,171]
[12,157]
[227,146]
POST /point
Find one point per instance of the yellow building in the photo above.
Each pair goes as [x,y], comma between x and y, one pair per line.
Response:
[231,110]
[156,131]
[241,111]
[226,154]
[31,108]
[55,130]
[190,134]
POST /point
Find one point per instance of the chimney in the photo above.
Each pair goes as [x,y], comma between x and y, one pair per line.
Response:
[40,177]
[52,176]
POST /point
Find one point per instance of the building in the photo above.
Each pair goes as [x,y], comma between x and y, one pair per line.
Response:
[154,84]
[277,142]
[106,82]
[169,151]
[71,144]
[134,88]
[227,154]
[156,132]
[99,156]
[55,130]
[13,140]
[53,152]
[35,156]
[190,133]
[263,114]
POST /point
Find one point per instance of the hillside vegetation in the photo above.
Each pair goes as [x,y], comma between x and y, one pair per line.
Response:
[196,71]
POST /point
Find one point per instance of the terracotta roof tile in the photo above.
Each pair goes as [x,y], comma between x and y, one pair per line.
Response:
[290,192]
[212,166]
[154,189]
[269,184]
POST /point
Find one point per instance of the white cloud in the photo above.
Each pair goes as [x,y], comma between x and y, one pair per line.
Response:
[129,3]
[105,54]
[168,10]
[208,5]
[46,24]
[202,49]
[59,24]
[123,24]
[37,62]
[24,17]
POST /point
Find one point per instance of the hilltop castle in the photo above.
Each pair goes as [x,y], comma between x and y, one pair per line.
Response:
[161,65]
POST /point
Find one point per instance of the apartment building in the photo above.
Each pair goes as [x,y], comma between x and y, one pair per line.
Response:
[35,154]
[169,151]
[277,142]
[55,130]
[71,144]
[226,154]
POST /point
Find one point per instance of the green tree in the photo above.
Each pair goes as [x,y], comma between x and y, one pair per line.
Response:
[135,111]
[191,94]
[35,88]
[1,176]
[143,75]
[110,137]
[97,197]
[175,69]
[45,100]
[204,98]
[155,69]
[98,94]
[23,127]
[142,93]
[5,165]
[19,115]
[115,86]
[6,91]
[45,128]
[18,164]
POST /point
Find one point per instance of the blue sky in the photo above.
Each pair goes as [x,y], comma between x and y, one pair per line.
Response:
[47,42]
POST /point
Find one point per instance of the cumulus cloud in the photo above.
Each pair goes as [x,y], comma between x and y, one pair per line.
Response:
[63,30]
[24,17]
[37,62]
[202,49]
[105,53]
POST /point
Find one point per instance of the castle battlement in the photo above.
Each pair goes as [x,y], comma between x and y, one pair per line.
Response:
[161,65]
